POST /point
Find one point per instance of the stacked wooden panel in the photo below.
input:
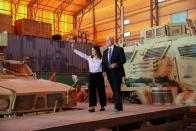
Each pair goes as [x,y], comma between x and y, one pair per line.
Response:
[46,30]
[78,36]
[33,28]
[24,27]
[36,29]
[5,23]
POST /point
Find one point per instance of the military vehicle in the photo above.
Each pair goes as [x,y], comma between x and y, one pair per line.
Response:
[161,65]
[22,93]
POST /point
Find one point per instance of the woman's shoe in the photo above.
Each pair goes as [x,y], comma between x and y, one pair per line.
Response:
[91,110]
[102,109]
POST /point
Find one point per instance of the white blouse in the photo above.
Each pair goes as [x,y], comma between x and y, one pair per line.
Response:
[93,63]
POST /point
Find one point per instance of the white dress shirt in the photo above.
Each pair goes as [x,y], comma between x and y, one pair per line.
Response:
[93,63]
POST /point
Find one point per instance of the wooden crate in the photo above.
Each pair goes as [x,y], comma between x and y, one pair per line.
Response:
[37,31]
[46,30]
[49,30]
[5,23]
[33,28]
[5,28]
[24,27]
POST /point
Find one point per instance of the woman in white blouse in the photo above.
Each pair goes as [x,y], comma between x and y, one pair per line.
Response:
[96,80]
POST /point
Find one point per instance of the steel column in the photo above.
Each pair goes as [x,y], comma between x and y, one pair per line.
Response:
[94,26]
[79,20]
[74,22]
[122,26]
[118,26]
[14,9]
[154,13]
[116,21]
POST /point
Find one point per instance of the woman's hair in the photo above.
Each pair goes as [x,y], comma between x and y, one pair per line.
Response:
[98,51]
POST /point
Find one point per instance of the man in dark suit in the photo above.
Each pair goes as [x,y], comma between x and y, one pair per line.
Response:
[112,66]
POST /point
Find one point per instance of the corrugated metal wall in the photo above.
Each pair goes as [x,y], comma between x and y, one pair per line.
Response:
[47,55]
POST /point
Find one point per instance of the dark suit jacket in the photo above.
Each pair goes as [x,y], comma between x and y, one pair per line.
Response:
[118,56]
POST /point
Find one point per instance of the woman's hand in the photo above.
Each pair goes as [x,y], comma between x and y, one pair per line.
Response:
[104,74]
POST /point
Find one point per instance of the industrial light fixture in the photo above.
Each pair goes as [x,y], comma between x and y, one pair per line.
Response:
[127,34]
[126,21]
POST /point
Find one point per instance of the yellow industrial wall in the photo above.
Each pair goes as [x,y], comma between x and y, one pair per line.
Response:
[138,12]
[66,23]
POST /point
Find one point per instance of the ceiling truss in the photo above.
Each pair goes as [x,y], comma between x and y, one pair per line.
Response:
[32,8]
[58,13]
[14,9]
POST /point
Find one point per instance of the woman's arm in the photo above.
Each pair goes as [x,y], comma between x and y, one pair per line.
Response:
[81,54]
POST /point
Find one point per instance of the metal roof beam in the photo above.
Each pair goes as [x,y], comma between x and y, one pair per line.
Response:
[75,4]
[32,8]
[63,6]
[34,2]
[88,7]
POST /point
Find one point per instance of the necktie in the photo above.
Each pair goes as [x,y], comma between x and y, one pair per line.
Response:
[109,56]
